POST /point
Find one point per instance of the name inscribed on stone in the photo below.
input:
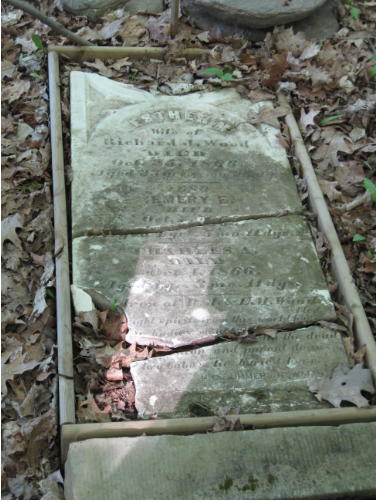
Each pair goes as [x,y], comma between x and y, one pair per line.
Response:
[142,162]
[269,375]
[188,286]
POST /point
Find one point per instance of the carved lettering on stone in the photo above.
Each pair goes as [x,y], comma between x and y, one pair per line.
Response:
[142,162]
[269,375]
[191,285]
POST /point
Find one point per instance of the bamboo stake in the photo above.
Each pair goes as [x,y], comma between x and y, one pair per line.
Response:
[63,295]
[174,18]
[86,53]
[187,426]
[57,27]
[339,265]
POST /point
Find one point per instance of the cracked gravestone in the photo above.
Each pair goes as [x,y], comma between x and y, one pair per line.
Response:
[153,163]
[187,286]
[272,374]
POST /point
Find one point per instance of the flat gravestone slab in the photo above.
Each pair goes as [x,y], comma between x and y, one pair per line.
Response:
[147,163]
[272,374]
[287,463]
[186,286]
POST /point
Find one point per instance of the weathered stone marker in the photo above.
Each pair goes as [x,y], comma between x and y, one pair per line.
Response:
[286,463]
[186,286]
[144,162]
[269,375]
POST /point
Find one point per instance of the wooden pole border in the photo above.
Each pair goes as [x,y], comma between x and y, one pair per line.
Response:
[188,426]
[339,265]
[63,290]
[70,431]
[81,54]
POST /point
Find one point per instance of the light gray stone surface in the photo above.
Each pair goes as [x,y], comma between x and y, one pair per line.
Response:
[287,463]
[258,13]
[270,375]
[148,163]
[185,286]
[95,9]
[321,24]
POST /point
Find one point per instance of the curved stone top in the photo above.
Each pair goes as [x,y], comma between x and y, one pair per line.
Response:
[259,13]
[151,163]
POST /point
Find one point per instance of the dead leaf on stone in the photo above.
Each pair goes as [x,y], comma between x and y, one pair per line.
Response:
[94,231]
[343,387]
[230,335]
[269,332]
[332,325]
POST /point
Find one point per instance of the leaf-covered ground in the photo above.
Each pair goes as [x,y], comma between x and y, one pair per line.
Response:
[332,89]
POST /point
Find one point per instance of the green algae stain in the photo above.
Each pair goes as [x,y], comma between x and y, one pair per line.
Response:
[271,479]
[252,484]
[228,483]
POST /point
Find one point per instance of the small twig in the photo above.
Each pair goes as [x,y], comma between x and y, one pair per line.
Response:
[57,27]
[354,203]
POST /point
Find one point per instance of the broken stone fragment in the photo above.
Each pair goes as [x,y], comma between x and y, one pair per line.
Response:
[82,302]
[271,375]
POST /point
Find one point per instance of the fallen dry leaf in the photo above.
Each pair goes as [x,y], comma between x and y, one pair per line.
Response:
[343,387]
[307,119]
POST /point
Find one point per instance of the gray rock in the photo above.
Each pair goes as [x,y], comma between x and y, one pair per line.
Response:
[321,24]
[152,163]
[258,13]
[270,375]
[287,463]
[186,286]
[95,9]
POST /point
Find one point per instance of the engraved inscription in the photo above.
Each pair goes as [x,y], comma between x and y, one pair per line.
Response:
[254,377]
[173,161]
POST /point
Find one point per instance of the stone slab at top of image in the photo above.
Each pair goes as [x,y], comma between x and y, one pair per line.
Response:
[95,9]
[151,163]
[321,24]
[283,463]
[270,375]
[184,287]
[259,13]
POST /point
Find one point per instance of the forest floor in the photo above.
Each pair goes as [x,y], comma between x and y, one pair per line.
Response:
[332,88]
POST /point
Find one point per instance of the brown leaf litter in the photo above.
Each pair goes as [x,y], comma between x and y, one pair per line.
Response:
[324,81]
